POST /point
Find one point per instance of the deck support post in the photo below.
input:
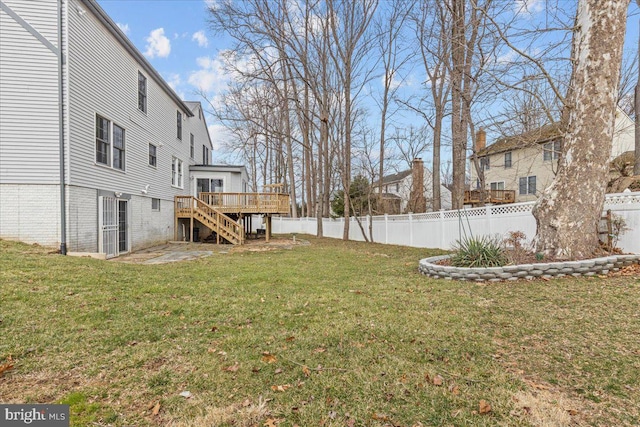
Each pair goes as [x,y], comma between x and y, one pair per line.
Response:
[175,214]
[191,232]
[267,234]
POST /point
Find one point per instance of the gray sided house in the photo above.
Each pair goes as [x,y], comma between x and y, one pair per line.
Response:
[115,138]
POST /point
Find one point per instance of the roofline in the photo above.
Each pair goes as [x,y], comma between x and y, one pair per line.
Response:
[102,16]
[205,122]
[236,168]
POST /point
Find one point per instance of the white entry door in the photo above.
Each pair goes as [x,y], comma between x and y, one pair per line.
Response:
[114,236]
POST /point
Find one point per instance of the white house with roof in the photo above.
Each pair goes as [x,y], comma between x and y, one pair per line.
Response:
[94,144]
[525,164]
[397,190]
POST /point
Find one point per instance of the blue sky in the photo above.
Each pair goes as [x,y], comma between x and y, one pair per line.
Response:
[174,36]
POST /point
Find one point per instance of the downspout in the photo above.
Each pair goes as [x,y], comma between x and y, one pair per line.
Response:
[63,201]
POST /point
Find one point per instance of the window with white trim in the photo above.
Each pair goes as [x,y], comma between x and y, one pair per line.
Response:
[485,163]
[142,92]
[527,185]
[179,124]
[155,204]
[110,143]
[192,146]
[177,177]
[551,150]
[205,155]
[499,185]
[118,147]
[153,155]
[507,160]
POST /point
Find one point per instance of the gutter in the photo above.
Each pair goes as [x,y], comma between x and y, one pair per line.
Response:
[63,199]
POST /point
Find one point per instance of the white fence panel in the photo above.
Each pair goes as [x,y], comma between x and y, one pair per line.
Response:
[442,229]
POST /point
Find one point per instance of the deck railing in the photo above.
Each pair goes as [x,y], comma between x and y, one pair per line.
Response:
[226,227]
[490,196]
[247,202]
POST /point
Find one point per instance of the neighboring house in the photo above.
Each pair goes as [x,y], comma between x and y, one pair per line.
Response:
[527,163]
[397,189]
[129,143]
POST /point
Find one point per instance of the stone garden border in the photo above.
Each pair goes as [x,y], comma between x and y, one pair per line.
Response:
[587,267]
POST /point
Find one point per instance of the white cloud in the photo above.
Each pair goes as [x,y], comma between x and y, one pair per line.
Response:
[158,45]
[219,135]
[174,81]
[528,7]
[124,27]
[211,76]
[201,38]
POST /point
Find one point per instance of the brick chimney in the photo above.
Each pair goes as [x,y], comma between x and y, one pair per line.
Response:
[481,140]
[417,201]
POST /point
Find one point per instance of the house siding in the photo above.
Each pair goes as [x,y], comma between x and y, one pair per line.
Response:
[529,161]
[29,135]
[101,78]
[103,81]
[525,162]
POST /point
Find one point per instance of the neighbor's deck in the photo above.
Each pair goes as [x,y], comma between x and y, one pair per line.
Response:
[474,197]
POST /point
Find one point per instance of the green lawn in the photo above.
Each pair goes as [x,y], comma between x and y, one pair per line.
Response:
[332,333]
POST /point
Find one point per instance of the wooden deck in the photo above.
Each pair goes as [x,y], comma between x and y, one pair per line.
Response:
[248,203]
[497,197]
[213,209]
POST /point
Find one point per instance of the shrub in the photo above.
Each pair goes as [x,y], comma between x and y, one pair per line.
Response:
[483,251]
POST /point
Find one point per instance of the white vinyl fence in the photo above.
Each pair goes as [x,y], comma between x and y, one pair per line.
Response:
[442,229]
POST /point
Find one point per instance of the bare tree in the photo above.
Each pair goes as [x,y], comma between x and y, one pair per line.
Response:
[349,22]
[636,167]
[569,210]
[389,33]
[467,20]
[432,31]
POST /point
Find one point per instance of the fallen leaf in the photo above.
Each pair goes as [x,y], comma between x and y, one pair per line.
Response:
[484,407]
[232,368]
[454,389]
[4,368]
[246,403]
[572,412]
[306,371]
[280,388]
[438,380]
[320,350]
[268,357]
[290,339]
[156,409]
[271,422]
[278,371]
[214,328]
[380,417]
[132,343]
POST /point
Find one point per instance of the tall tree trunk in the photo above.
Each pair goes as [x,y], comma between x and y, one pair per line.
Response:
[458,120]
[569,210]
[636,108]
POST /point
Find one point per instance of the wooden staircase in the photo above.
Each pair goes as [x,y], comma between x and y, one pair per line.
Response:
[224,226]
